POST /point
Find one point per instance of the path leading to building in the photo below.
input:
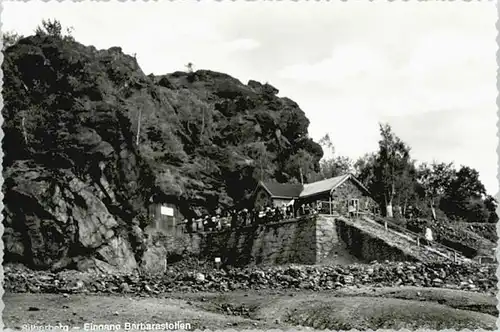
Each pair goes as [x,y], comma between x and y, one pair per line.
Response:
[411,239]
[405,241]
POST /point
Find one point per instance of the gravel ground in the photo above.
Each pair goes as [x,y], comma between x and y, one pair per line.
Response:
[376,295]
[363,308]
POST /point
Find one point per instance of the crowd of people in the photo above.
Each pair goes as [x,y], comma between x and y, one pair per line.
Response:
[245,217]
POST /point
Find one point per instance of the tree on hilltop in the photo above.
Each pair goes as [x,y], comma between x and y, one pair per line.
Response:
[190,67]
[53,28]
[10,38]
[491,205]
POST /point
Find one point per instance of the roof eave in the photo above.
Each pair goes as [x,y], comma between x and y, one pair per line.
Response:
[261,183]
[352,177]
[347,176]
[314,194]
[362,186]
[284,197]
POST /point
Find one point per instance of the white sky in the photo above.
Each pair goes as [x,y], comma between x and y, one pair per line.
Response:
[426,68]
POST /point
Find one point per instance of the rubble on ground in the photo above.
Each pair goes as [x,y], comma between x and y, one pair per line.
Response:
[207,278]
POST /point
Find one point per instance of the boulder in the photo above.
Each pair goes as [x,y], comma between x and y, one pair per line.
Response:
[153,259]
[118,253]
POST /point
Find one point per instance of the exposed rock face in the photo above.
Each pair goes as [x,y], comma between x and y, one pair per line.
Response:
[51,216]
[89,140]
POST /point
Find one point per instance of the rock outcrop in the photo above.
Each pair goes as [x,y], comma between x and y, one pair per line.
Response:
[90,141]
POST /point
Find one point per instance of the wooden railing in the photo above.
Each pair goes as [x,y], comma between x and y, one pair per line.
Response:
[417,237]
[331,208]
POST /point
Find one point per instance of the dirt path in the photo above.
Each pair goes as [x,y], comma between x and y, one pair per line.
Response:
[403,307]
[78,310]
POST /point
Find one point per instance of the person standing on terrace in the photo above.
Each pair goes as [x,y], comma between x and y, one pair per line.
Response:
[429,236]
[351,209]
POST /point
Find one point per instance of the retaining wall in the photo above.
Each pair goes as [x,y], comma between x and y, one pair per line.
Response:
[307,240]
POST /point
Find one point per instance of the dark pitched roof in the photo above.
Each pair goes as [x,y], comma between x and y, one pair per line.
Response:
[282,190]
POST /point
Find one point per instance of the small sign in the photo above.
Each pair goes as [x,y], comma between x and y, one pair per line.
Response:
[166,211]
[217,259]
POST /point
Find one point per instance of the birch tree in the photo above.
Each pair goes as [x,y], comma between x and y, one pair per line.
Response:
[435,179]
[392,161]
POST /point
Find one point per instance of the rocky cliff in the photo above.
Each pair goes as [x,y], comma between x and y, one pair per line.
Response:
[90,141]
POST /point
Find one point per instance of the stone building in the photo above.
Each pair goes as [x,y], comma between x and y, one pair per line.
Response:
[339,192]
[335,194]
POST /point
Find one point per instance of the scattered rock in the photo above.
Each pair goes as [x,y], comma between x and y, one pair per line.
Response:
[200,277]
[209,279]
[124,287]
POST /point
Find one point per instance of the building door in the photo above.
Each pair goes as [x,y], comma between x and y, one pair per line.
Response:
[166,218]
[352,206]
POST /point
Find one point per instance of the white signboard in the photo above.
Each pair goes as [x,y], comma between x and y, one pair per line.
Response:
[166,211]
[217,259]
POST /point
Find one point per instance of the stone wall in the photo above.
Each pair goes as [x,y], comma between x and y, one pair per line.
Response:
[368,247]
[180,244]
[307,240]
[292,241]
[326,238]
[330,249]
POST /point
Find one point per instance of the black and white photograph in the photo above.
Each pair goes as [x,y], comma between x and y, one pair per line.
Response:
[249,165]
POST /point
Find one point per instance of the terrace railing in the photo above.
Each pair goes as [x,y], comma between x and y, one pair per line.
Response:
[328,208]
[455,255]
